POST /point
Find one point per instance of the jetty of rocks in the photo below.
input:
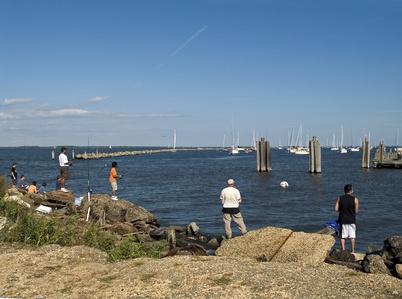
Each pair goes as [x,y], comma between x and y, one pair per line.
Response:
[98,155]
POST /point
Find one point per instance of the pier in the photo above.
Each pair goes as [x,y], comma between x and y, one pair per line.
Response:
[387,159]
[97,155]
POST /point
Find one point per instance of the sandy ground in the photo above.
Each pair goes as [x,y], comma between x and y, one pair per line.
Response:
[81,272]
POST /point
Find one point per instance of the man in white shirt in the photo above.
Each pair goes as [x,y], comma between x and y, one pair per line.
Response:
[64,168]
[231,198]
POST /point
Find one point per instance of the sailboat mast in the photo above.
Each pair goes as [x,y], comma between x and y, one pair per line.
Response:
[174,139]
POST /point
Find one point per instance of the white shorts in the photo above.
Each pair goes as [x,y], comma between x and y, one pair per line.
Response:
[114,186]
[348,231]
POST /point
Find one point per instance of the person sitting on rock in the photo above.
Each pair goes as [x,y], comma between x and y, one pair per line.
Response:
[22,184]
[32,188]
[42,189]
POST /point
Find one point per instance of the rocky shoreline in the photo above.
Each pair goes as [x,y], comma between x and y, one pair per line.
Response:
[269,262]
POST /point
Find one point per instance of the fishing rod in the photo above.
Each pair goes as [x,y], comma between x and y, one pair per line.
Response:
[89,191]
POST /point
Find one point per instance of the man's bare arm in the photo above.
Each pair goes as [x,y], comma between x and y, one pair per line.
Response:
[337,205]
[356,205]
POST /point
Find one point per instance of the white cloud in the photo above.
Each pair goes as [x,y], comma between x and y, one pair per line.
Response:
[49,113]
[7,115]
[16,101]
[65,112]
[158,115]
[96,99]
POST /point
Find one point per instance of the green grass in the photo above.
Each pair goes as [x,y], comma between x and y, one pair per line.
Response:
[26,227]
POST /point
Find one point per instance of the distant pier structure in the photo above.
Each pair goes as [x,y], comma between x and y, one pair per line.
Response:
[384,158]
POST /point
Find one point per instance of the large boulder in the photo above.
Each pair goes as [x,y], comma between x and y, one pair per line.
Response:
[117,210]
[262,242]
[14,195]
[279,245]
[373,263]
[60,197]
[398,270]
[305,248]
[393,245]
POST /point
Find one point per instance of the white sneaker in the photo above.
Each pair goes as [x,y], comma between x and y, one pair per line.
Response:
[64,190]
[114,198]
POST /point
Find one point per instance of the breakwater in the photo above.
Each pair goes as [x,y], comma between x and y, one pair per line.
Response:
[100,155]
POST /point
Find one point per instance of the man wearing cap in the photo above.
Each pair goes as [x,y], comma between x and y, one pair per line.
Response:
[230,198]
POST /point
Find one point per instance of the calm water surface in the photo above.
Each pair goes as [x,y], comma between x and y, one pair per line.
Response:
[184,186]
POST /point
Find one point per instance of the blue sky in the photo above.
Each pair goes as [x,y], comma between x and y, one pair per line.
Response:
[129,72]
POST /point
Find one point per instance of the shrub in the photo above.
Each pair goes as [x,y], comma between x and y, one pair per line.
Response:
[26,227]
[128,249]
[3,186]
[95,237]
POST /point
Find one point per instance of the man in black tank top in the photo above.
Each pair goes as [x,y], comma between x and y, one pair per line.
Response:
[347,205]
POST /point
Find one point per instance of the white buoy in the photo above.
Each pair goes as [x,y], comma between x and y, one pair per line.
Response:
[284,184]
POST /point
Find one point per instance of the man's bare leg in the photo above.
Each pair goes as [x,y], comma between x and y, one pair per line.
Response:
[343,244]
[352,244]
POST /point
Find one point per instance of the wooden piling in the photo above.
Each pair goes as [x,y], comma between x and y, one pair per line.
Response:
[258,155]
[171,237]
[315,155]
[365,153]
[263,156]
[381,151]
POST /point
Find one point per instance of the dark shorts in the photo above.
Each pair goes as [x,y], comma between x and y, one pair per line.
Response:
[64,172]
[231,211]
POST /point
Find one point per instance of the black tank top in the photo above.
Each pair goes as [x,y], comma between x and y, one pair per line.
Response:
[347,209]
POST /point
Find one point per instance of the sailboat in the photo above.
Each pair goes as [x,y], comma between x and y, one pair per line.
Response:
[234,150]
[334,147]
[300,150]
[353,148]
[174,140]
[342,150]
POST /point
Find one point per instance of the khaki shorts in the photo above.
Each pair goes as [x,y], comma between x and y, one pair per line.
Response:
[114,186]
[64,172]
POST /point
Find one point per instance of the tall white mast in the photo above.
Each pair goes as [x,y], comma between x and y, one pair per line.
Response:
[174,139]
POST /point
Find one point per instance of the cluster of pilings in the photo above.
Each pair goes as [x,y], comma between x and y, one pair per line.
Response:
[264,157]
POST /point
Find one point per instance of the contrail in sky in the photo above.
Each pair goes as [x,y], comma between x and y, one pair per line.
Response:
[189,40]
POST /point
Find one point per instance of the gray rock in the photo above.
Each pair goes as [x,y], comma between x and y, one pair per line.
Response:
[123,228]
[375,264]
[118,211]
[398,270]
[159,233]
[13,195]
[193,229]
[394,245]
[213,244]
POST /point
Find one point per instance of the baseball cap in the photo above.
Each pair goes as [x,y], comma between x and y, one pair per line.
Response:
[231,181]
